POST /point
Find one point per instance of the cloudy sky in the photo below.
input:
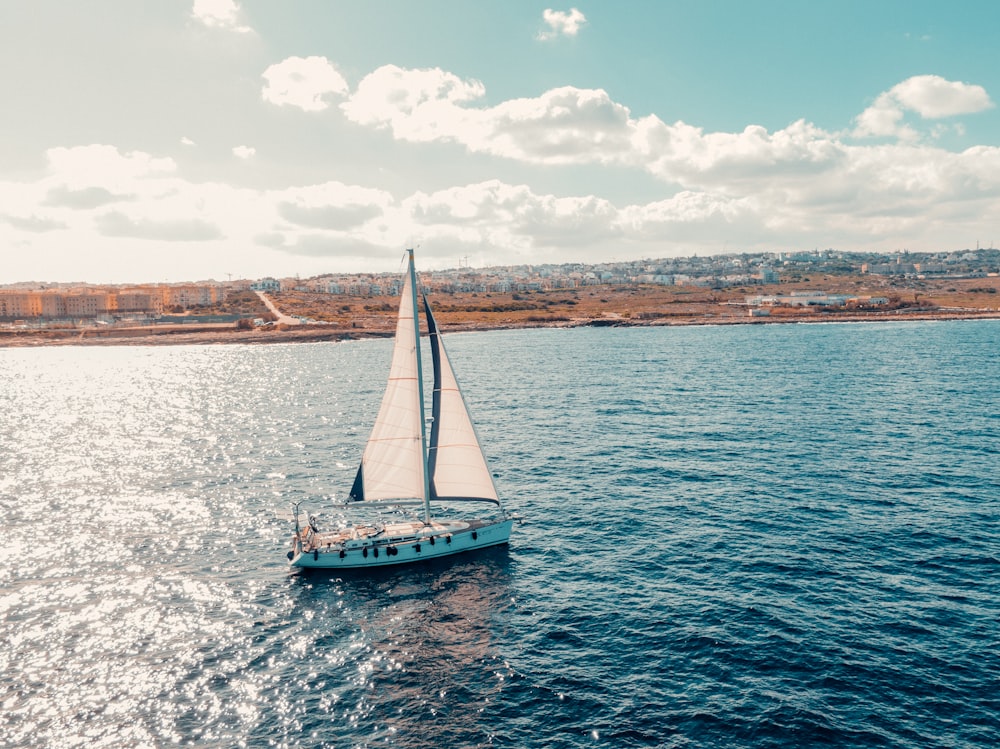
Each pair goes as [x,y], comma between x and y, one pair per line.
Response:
[170,140]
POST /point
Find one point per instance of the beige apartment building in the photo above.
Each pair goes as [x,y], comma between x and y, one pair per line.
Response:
[22,305]
[152,300]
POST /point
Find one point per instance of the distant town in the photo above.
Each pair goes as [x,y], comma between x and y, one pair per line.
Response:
[723,289]
[37,301]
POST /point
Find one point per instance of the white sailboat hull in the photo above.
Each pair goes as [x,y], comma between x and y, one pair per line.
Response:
[396,544]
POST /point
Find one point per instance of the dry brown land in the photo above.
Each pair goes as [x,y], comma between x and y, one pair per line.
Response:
[342,317]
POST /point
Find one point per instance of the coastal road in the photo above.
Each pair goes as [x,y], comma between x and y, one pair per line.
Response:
[283,319]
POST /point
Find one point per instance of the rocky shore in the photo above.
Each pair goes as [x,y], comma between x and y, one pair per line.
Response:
[230,334]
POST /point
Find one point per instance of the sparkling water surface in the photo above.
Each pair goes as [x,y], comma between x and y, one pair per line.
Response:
[751,536]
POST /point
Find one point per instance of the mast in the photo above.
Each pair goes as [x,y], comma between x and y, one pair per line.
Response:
[420,392]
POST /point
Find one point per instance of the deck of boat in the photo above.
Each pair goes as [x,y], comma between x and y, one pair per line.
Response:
[396,532]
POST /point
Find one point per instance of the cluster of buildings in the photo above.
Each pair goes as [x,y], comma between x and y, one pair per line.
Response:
[713,271]
[90,302]
[511,279]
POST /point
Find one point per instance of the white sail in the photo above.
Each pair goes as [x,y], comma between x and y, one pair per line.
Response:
[459,469]
[393,463]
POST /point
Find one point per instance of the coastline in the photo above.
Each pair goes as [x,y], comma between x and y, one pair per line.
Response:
[178,335]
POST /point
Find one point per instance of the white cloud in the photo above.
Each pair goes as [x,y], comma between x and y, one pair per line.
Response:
[578,126]
[99,165]
[861,194]
[732,162]
[883,118]
[219,14]
[332,205]
[304,82]
[796,185]
[572,126]
[929,96]
[418,105]
[326,248]
[185,141]
[497,222]
[561,23]
[118,224]
[83,198]
[564,125]
[497,214]
[244,152]
[33,223]
[316,224]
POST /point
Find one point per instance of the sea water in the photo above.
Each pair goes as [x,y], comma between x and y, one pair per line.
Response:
[746,536]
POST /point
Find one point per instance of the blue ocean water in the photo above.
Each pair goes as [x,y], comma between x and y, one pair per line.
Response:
[748,536]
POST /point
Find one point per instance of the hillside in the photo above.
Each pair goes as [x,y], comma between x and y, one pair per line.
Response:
[338,317]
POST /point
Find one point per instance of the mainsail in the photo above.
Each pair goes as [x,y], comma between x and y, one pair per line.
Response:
[393,464]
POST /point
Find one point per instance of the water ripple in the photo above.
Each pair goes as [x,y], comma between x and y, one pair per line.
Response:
[764,537]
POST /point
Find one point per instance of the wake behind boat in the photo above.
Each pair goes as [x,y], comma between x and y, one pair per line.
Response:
[403,466]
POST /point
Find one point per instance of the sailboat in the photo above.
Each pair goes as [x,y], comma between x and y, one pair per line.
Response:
[404,467]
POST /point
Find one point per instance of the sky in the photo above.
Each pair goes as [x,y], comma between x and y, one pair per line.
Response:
[184,140]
